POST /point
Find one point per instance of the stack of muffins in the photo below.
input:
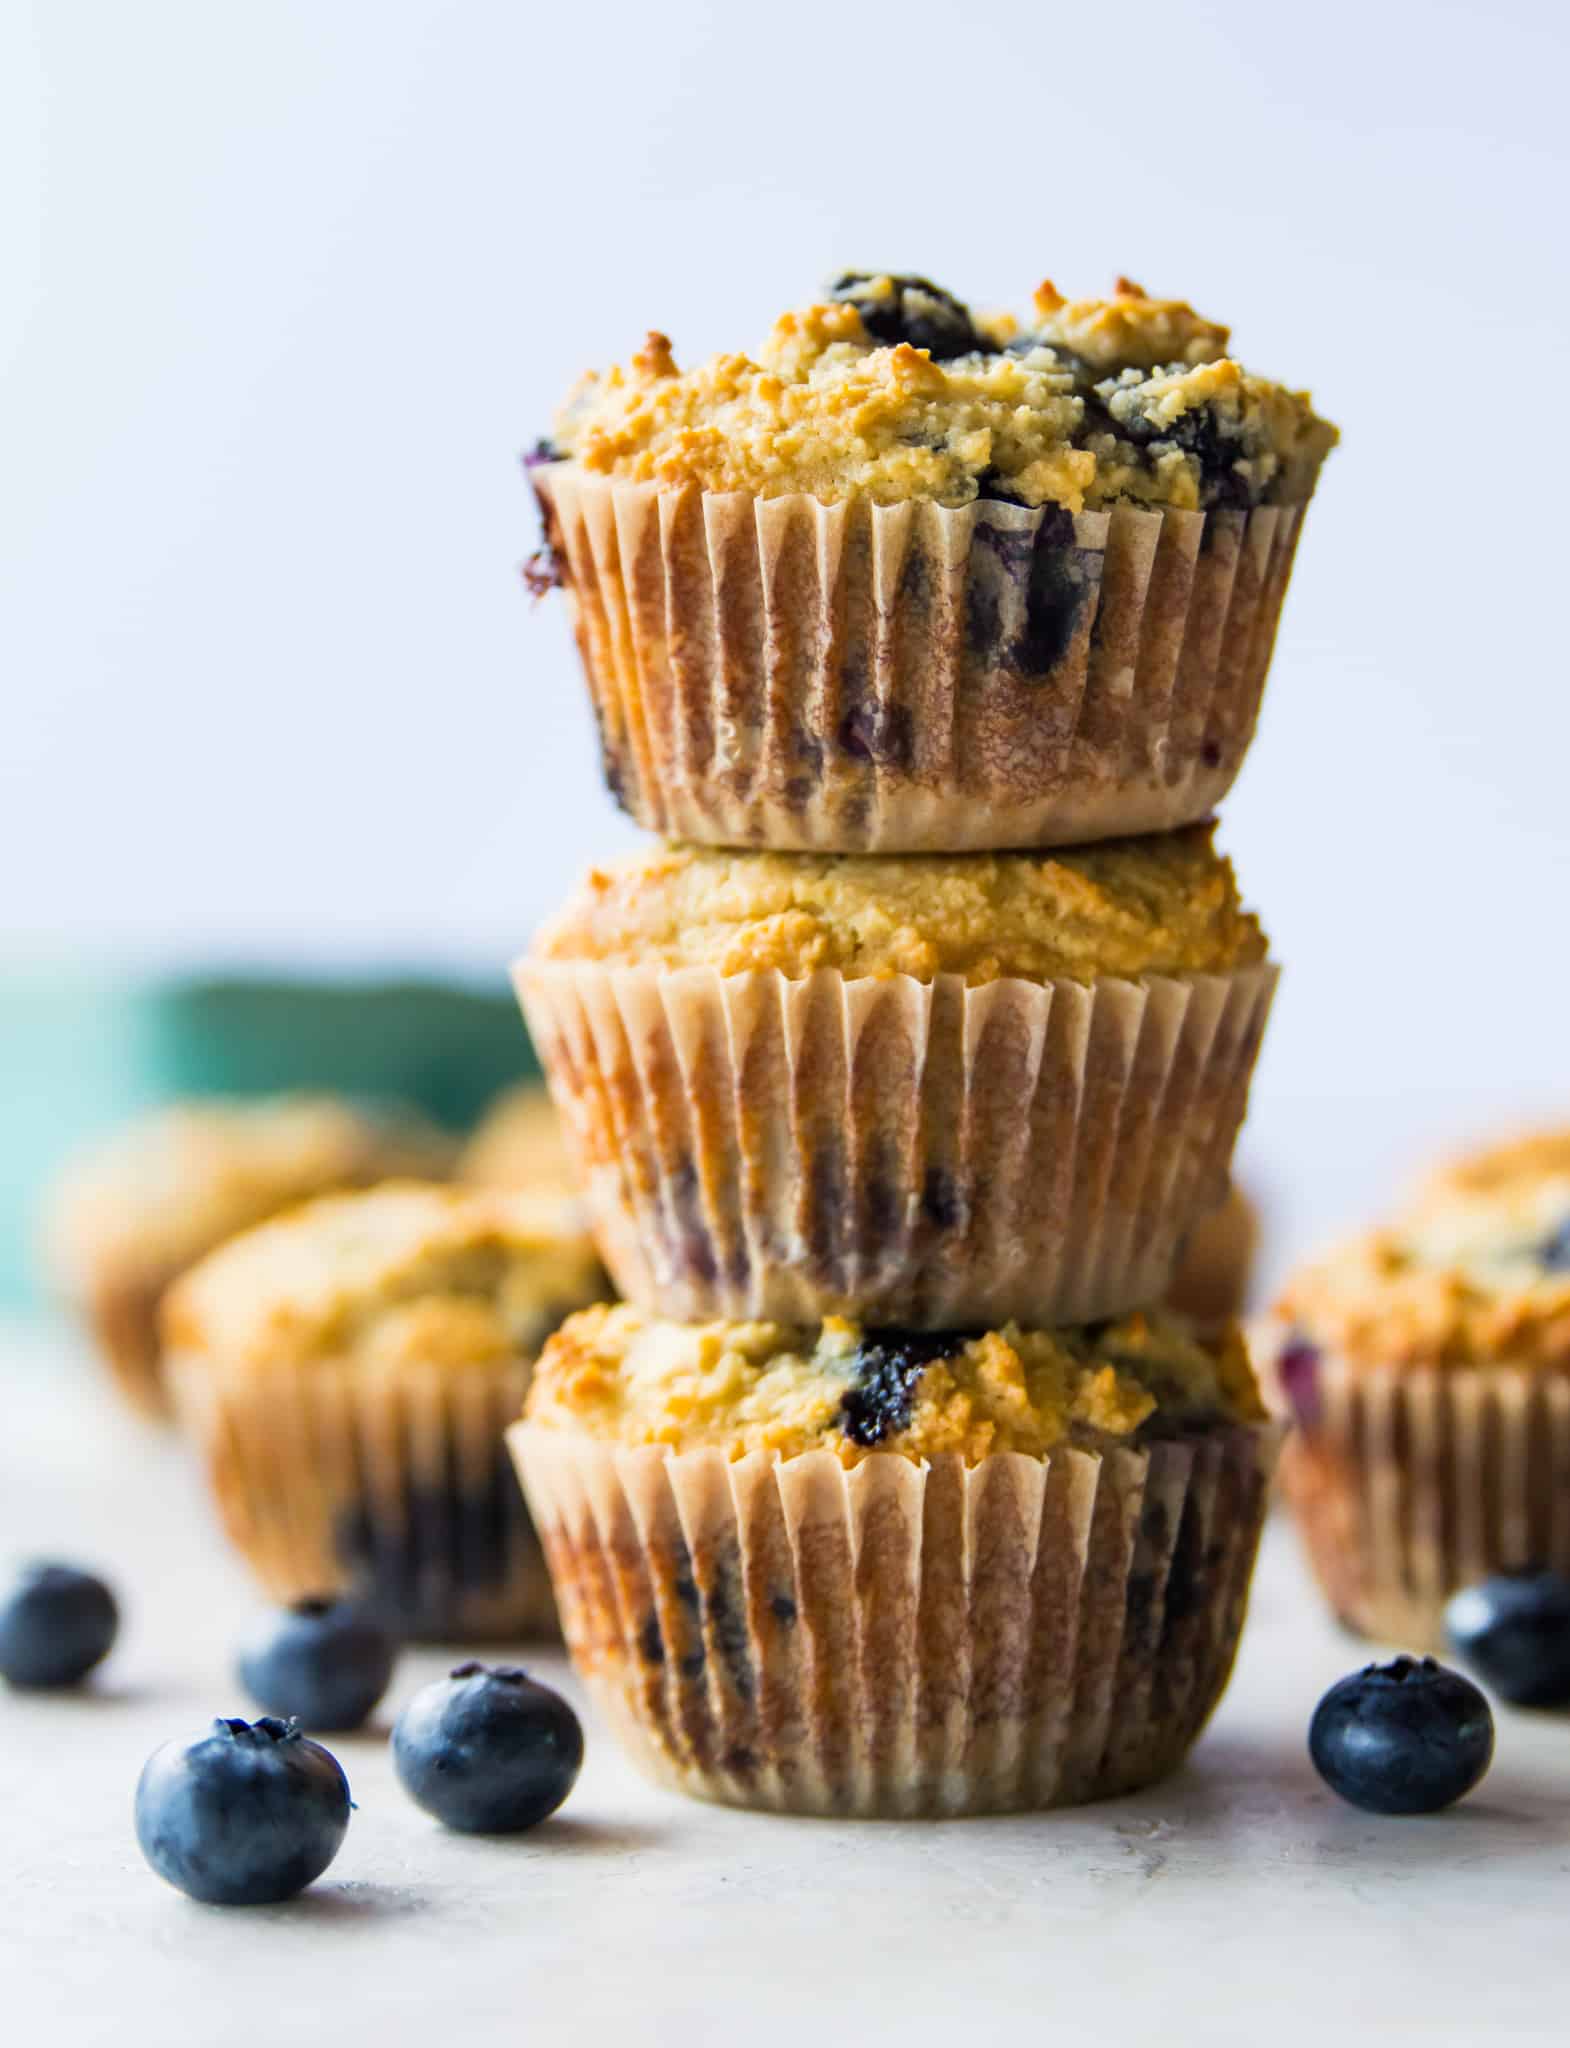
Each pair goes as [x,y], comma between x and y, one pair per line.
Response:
[898,1075]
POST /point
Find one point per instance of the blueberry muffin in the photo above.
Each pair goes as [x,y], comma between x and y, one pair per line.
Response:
[1212,1280]
[518,1143]
[125,1221]
[1427,1368]
[348,1372]
[917,581]
[935,1092]
[857,1570]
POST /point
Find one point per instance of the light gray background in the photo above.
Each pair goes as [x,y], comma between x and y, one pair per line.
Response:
[287,286]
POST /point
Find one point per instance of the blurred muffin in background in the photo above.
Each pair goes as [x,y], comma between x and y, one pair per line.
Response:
[127,1219]
[518,1144]
[1427,1367]
[348,1372]
[1212,1280]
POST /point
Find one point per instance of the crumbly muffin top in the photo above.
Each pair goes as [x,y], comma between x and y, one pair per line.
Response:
[1464,1277]
[891,390]
[1160,905]
[1526,1157]
[619,1375]
[168,1188]
[518,1144]
[403,1274]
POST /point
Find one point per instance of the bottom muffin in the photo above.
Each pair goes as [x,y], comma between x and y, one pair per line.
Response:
[348,1373]
[880,1573]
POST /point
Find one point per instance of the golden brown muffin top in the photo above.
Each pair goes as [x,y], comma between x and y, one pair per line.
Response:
[169,1187]
[1468,1275]
[623,1377]
[1166,904]
[892,390]
[518,1144]
[404,1274]
[1527,1156]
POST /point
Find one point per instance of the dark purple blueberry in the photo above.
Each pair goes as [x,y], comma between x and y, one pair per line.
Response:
[245,1816]
[544,450]
[56,1623]
[324,1663]
[488,1751]
[1297,1369]
[888,1364]
[1406,1737]
[916,311]
[1553,1254]
[1514,1632]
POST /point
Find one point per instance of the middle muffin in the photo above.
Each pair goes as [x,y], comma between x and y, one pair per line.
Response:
[933,1091]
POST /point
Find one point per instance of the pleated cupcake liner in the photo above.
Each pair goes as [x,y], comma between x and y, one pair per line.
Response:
[911,678]
[911,1153]
[393,1484]
[1408,1483]
[902,1639]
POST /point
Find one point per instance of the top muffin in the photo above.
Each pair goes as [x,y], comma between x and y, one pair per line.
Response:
[1162,905]
[890,389]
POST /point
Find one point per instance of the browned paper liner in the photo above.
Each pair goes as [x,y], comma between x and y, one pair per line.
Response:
[900,1151]
[1408,1483]
[913,679]
[902,1638]
[397,1484]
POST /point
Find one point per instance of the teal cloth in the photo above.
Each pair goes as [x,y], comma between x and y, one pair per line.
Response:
[79,1056]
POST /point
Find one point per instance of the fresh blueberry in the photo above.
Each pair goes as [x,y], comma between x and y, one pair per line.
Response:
[488,1751]
[1407,1737]
[248,1815]
[1553,1254]
[324,1663]
[916,311]
[56,1623]
[1514,1631]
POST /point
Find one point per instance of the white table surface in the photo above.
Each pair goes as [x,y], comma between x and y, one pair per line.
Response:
[1239,1902]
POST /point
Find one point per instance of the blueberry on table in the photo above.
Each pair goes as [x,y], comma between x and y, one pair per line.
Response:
[488,1751]
[245,1816]
[1406,1737]
[324,1663]
[56,1623]
[1514,1632]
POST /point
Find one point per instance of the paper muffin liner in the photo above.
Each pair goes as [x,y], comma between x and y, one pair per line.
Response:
[904,1152]
[395,1484]
[1408,1483]
[909,678]
[902,1638]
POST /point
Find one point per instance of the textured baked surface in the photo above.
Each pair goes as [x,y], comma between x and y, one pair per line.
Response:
[402,1275]
[894,392]
[1474,1273]
[619,1375]
[1163,905]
